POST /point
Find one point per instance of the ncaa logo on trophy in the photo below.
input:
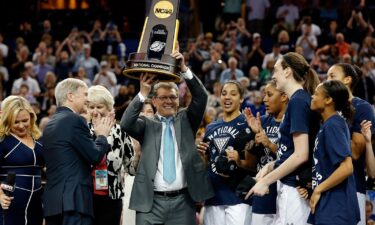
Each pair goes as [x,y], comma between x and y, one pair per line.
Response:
[158,40]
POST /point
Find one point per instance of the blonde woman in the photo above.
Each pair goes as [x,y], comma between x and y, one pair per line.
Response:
[20,152]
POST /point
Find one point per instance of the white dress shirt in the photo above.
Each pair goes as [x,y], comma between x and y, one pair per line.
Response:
[180,181]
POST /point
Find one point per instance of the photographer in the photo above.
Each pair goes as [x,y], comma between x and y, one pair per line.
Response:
[226,146]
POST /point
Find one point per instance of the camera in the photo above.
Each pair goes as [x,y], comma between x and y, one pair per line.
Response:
[223,165]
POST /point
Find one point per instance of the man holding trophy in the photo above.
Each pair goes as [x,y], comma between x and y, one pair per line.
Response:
[171,176]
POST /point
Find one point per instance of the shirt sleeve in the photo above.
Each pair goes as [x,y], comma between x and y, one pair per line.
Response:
[188,75]
[363,112]
[299,116]
[141,97]
[337,143]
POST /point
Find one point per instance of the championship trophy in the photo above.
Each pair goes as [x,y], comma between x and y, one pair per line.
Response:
[158,41]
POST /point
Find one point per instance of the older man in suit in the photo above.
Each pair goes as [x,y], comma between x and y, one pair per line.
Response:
[69,152]
[171,176]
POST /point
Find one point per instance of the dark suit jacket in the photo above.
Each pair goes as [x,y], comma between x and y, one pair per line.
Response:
[69,152]
[149,131]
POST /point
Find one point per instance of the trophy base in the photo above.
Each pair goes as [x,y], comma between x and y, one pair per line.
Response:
[166,69]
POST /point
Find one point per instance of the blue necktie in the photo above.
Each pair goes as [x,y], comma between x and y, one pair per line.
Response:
[169,167]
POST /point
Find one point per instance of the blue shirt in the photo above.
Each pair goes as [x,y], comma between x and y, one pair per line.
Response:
[363,111]
[267,203]
[226,75]
[338,205]
[220,135]
[296,120]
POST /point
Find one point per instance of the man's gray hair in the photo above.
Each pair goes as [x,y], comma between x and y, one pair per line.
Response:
[165,85]
[63,88]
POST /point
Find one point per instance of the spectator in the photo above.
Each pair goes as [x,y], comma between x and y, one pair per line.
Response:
[96,35]
[232,73]
[288,11]
[284,41]
[115,66]
[25,93]
[64,66]
[43,122]
[90,64]
[3,47]
[22,56]
[106,78]
[33,85]
[365,88]
[358,28]
[26,32]
[47,100]
[273,56]
[368,47]
[40,50]
[343,47]
[307,21]
[329,34]
[212,69]
[257,11]
[232,10]
[266,73]
[254,79]
[122,101]
[308,42]
[256,54]
[112,39]
[329,11]
[278,27]
[214,97]
[81,74]
[256,105]
[42,68]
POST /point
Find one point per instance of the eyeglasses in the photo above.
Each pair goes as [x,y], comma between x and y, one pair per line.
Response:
[165,98]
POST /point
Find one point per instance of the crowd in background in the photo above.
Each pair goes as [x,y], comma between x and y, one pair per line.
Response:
[241,46]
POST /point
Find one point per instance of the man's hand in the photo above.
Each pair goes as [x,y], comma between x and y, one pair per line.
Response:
[176,54]
[146,82]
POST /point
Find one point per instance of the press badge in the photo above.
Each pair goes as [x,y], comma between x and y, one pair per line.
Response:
[101,179]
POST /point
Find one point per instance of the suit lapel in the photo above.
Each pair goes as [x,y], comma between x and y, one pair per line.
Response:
[177,131]
[157,130]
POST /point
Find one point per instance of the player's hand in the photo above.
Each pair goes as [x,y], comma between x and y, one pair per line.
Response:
[366,130]
[303,192]
[264,171]
[315,197]
[202,147]
[232,155]
[251,120]
[259,189]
